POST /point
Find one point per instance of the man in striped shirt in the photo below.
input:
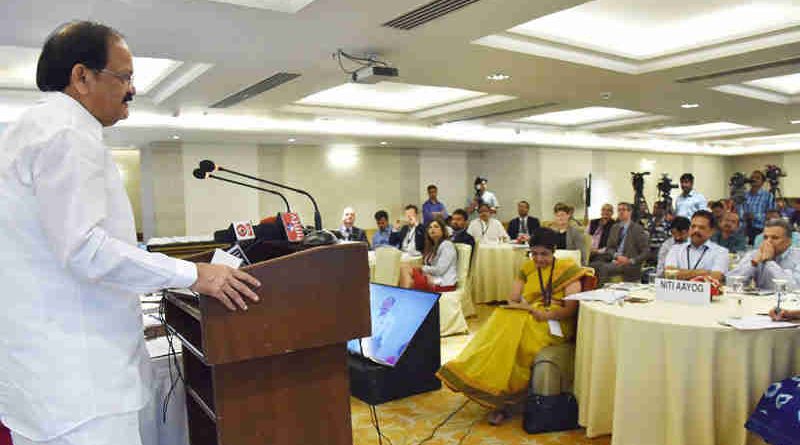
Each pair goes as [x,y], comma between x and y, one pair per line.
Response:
[755,206]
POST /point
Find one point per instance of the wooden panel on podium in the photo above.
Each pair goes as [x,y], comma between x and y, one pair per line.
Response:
[277,373]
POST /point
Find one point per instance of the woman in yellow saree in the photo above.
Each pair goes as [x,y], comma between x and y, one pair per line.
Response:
[494,368]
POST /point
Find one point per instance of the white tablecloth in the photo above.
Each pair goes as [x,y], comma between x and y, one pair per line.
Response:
[663,373]
[405,258]
[494,271]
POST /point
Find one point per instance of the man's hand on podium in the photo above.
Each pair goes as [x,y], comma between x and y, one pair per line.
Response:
[228,285]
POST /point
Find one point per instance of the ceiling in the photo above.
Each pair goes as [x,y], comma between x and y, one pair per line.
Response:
[717,76]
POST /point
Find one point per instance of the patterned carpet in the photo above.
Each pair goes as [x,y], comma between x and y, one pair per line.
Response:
[411,420]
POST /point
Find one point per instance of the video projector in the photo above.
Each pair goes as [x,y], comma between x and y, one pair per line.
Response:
[374,74]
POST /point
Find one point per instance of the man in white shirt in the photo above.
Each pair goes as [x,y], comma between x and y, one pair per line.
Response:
[701,256]
[486,228]
[680,236]
[75,369]
[689,201]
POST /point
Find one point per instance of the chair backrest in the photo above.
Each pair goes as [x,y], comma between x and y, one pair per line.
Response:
[387,265]
[574,255]
[464,257]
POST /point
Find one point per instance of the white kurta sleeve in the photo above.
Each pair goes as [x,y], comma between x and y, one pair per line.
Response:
[69,181]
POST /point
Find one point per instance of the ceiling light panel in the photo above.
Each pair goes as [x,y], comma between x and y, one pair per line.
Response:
[582,116]
[706,130]
[388,96]
[789,84]
[649,29]
[287,6]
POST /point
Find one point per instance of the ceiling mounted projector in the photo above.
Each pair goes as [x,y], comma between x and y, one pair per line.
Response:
[374,74]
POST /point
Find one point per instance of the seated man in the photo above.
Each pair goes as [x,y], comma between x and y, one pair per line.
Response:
[458,222]
[680,235]
[776,258]
[600,228]
[409,238]
[718,210]
[628,246]
[487,228]
[348,231]
[381,237]
[521,227]
[729,236]
[775,214]
[701,256]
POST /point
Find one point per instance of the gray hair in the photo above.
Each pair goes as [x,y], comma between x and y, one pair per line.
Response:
[775,222]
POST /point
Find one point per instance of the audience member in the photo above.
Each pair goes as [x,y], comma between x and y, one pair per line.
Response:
[787,211]
[482,196]
[487,228]
[568,236]
[794,220]
[718,210]
[658,229]
[729,236]
[521,227]
[627,248]
[409,238]
[348,231]
[600,228]
[689,201]
[381,237]
[458,222]
[494,368]
[776,258]
[680,235]
[775,214]
[440,260]
[756,203]
[701,256]
[433,208]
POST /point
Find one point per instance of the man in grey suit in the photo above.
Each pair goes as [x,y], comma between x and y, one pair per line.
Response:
[628,246]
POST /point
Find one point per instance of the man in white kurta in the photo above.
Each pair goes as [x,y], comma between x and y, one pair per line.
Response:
[73,365]
[486,229]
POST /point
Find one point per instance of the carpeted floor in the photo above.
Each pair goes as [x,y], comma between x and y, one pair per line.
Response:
[411,420]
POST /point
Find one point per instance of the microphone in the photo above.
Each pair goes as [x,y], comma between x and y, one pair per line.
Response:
[207,166]
[200,174]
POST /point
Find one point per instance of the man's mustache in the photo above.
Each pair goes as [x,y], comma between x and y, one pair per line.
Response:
[128,97]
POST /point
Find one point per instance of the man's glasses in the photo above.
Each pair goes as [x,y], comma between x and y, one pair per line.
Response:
[126,78]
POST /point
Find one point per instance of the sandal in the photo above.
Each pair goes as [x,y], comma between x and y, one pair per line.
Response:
[497,417]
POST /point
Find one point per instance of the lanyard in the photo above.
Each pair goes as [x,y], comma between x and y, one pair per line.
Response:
[688,263]
[484,228]
[547,294]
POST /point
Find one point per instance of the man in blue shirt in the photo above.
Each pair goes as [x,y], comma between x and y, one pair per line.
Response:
[433,207]
[690,200]
[756,203]
[381,237]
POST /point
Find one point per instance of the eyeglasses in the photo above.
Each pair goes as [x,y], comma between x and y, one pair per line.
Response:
[126,78]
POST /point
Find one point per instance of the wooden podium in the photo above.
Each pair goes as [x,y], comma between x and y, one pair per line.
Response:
[277,373]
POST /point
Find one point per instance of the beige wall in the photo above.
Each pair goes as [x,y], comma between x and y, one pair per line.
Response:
[372,178]
[129,165]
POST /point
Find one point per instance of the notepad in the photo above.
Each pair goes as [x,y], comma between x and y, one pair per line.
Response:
[757,322]
[604,295]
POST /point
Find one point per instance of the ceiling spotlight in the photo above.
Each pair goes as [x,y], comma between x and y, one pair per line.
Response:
[176,137]
[292,140]
[498,77]
[384,143]
[688,105]
[795,121]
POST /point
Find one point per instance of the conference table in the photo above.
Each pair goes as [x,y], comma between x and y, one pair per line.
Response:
[661,373]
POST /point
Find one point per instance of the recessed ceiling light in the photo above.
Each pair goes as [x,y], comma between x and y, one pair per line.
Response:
[384,143]
[292,140]
[797,121]
[689,105]
[498,76]
[175,136]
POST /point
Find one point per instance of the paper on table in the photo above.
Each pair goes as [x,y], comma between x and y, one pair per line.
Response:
[605,295]
[555,328]
[223,257]
[757,322]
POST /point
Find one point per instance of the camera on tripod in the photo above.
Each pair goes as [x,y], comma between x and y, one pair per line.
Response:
[665,187]
[637,178]
[736,187]
[478,194]
[773,174]
[640,209]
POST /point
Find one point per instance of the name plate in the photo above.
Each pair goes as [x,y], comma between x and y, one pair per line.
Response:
[687,292]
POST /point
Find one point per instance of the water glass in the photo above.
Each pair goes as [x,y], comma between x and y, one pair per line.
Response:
[735,284]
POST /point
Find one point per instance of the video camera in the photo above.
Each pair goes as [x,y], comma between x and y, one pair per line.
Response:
[478,181]
[665,187]
[637,178]
[736,187]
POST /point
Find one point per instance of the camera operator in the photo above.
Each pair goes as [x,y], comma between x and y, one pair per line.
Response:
[482,196]
[756,203]
[690,200]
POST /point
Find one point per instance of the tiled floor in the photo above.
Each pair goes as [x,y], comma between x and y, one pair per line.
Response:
[411,420]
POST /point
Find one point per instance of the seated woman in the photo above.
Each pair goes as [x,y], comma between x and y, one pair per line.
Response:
[568,236]
[440,258]
[494,368]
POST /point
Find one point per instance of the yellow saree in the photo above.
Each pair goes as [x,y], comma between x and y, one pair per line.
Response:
[494,368]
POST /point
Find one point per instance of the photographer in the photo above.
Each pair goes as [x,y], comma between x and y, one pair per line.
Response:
[482,196]
[756,203]
[690,200]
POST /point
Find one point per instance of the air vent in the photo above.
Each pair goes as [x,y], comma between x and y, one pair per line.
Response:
[427,13]
[504,113]
[743,70]
[255,89]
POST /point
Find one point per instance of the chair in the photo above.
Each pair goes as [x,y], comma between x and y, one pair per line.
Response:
[574,255]
[587,248]
[546,379]
[387,265]
[454,305]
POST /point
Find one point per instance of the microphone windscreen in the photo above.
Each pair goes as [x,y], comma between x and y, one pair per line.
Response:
[198,174]
[207,166]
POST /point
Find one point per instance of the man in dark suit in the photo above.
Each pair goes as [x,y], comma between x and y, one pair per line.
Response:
[348,231]
[628,247]
[521,227]
[458,222]
[409,238]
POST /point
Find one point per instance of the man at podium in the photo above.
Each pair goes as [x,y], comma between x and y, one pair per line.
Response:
[75,369]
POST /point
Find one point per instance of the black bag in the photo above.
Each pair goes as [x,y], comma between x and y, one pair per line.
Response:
[549,413]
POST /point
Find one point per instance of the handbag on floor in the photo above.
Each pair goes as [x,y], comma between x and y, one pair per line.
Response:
[549,413]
